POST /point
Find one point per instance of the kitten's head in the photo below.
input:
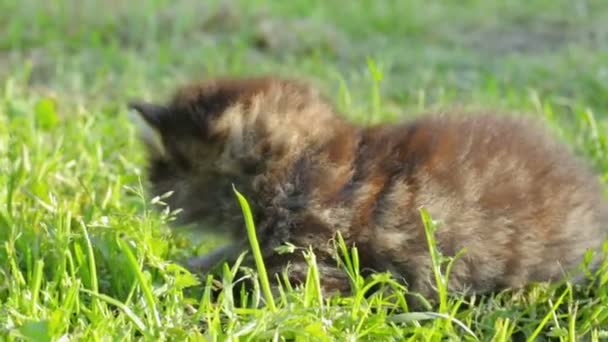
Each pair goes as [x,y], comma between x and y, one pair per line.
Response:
[218,132]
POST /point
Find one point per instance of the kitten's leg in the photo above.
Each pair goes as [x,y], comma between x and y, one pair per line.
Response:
[332,279]
[205,263]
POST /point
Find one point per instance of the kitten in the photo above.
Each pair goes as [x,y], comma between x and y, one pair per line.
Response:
[521,206]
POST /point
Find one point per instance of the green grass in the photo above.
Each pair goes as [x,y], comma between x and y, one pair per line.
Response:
[84,255]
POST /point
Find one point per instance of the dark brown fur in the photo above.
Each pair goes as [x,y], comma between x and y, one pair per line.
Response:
[519,203]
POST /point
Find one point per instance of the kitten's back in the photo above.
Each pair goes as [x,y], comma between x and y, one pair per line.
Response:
[521,204]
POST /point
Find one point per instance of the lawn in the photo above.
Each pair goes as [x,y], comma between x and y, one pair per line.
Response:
[84,254]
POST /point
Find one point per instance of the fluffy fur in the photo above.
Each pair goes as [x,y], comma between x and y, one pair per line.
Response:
[519,203]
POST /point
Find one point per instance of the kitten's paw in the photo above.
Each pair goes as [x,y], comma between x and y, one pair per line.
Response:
[199,264]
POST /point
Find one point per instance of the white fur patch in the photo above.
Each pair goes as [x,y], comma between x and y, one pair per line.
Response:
[148,134]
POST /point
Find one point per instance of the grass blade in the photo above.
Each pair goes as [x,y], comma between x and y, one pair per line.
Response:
[548,316]
[421,316]
[125,309]
[255,248]
[36,281]
[91,265]
[143,283]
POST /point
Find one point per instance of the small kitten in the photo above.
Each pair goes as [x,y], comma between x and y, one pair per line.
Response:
[521,206]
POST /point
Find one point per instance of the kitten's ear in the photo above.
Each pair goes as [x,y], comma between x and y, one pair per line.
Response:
[151,113]
[147,118]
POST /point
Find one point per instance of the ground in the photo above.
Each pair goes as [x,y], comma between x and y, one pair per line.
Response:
[83,255]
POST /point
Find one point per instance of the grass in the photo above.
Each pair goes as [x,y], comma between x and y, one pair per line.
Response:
[84,255]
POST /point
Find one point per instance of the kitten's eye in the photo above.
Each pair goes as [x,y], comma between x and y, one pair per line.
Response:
[182,162]
[176,157]
[160,169]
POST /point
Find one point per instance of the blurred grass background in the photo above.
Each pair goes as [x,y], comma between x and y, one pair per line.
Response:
[469,50]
